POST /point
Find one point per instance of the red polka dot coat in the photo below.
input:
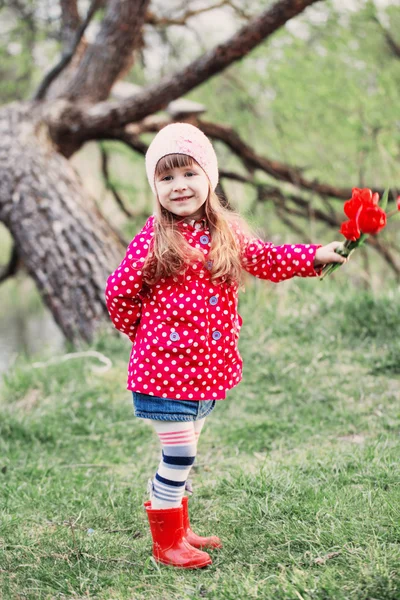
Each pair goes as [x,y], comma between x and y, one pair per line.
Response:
[185,331]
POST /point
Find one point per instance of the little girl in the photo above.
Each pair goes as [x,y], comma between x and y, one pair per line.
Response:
[175,295]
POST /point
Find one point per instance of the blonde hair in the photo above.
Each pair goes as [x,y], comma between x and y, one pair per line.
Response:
[170,254]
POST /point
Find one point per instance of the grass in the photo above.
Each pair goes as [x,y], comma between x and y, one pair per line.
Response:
[297,471]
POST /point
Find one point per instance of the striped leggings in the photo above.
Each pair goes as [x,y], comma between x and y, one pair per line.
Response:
[179,448]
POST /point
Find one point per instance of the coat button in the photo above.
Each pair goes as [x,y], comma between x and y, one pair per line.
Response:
[216,335]
[209,265]
[174,336]
[213,300]
[204,239]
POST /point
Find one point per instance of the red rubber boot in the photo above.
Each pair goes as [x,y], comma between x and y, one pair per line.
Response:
[196,540]
[170,547]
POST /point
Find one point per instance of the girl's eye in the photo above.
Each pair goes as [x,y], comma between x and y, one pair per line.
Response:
[190,174]
[166,178]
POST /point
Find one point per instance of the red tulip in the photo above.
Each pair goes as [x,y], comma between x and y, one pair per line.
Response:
[359,198]
[364,195]
[375,199]
[371,219]
[367,216]
[350,230]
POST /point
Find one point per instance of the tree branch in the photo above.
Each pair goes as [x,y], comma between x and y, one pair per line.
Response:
[393,45]
[110,186]
[111,54]
[109,115]
[391,42]
[276,169]
[268,194]
[385,252]
[248,156]
[70,22]
[69,54]
[251,160]
[283,215]
[156,21]
[130,136]
[235,177]
[274,194]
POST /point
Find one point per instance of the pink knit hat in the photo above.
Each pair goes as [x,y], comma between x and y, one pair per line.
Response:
[182,138]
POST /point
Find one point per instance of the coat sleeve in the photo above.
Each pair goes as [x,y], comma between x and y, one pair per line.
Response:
[278,263]
[124,285]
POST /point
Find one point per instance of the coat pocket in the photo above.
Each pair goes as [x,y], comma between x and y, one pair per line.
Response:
[172,335]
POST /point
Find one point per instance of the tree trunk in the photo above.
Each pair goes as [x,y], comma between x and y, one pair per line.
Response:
[66,245]
[111,53]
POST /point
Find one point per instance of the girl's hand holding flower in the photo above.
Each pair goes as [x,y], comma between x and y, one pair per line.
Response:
[366,216]
[326,255]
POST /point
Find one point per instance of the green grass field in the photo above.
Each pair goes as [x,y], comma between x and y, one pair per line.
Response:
[297,470]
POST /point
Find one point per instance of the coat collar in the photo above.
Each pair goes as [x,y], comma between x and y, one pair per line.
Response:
[192,224]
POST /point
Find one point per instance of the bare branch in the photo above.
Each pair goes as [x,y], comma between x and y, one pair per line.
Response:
[274,168]
[235,177]
[251,160]
[281,202]
[110,186]
[223,196]
[301,207]
[109,115]
[384,251]
[391,42]
[129,136]
[239,10]
[283,214]
[152,19]
[276,195]
[393,45]
[68,55]
[249,157]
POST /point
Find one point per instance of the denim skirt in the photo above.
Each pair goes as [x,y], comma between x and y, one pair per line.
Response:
[166,409]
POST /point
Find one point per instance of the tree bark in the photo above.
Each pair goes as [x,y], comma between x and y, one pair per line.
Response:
[70,21]
[111,54]
[65,243]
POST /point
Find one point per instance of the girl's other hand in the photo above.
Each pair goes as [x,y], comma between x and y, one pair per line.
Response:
[326,255]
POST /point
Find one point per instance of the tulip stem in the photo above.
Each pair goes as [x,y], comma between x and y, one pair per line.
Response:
[346,250]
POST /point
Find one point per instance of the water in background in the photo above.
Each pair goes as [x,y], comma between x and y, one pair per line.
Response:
[26,326]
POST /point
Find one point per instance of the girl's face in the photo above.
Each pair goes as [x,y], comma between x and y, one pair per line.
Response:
[183,191]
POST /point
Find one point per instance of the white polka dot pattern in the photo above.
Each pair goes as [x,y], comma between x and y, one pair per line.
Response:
[277,263]
[185,330]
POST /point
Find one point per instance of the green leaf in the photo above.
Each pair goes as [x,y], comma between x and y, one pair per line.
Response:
[384,200]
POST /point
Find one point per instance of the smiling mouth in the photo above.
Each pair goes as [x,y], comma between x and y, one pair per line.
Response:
[182,199]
